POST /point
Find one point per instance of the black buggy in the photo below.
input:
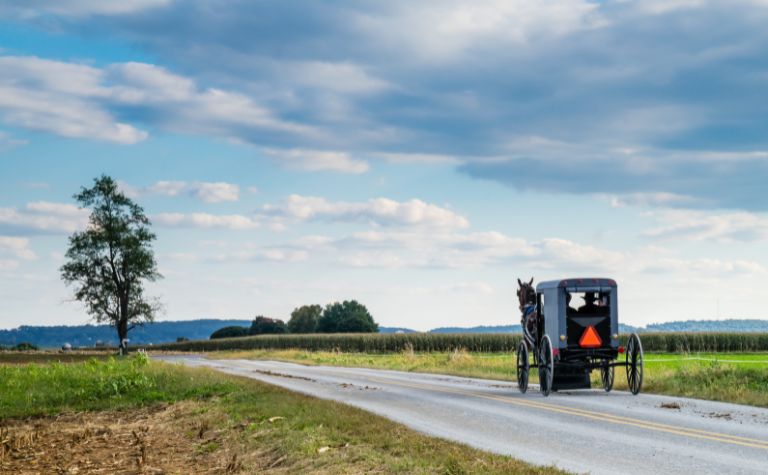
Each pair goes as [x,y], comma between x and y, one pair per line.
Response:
[571,327]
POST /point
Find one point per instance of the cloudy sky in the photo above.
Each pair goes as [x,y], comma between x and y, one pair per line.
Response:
[416,156]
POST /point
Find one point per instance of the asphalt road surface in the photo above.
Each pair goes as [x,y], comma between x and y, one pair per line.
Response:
[580,431]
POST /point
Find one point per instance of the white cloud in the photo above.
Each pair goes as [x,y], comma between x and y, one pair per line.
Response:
[422,248]
[7,264]
[446,30]
[78,8]
[217,192]
[7,142]
[469,287]
[703,226]
[458,78]
[453,250]
[76,100]
[564,254]
[712,267]
[46,217]
[209,192]
[370,259]
[265,254]
[480,289]
[60,209]
[296,208]
[626,175]
[234,222]
[409,158]
[61,98]
[37,185]
[659,7]
[12,249]
[167,188]
[379,211]
[181,106]
[345,78]
[318,160]
[16,246]
[659,199]
[181,257]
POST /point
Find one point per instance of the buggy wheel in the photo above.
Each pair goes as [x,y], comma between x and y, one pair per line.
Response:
[634,364]
[606,376]
[522,367]
[546,366]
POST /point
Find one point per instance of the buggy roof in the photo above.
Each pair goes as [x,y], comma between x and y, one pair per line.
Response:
[577,282]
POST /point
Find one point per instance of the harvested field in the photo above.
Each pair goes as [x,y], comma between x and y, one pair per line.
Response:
[133,416]
[155,440]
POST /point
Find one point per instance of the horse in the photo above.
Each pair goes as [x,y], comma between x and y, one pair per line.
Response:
[526,294]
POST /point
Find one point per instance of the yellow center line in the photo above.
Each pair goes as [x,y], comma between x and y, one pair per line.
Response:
[603,417]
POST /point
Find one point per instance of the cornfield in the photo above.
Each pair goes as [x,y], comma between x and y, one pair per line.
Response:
[702,342]
[473,342]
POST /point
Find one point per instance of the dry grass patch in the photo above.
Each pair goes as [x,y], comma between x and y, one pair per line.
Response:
[156,440]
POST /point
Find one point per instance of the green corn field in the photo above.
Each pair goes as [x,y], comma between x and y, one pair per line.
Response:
[473,342]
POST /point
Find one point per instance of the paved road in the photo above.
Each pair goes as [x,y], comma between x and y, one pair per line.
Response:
[580,431]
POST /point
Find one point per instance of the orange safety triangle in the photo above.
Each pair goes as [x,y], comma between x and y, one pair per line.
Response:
[590,338]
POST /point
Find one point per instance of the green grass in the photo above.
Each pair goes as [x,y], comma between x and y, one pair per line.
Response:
[733,377]
[40,389]
[457,362]
[25,357]
[745,360]
[292,432]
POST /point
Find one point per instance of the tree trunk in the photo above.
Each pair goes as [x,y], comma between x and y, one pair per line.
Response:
[122,325]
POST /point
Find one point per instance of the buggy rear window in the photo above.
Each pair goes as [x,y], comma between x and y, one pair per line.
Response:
[583,303]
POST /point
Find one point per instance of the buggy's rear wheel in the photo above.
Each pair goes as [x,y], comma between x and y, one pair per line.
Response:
[522,367]
[606,376]
[546,366]
[634,364]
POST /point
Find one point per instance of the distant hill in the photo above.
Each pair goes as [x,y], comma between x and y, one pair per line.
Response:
[734,325]
[89,335]
[507,329]
[396,330]
[164,332]
[480,329]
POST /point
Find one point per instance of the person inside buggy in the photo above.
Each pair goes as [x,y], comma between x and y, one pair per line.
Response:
[594,305]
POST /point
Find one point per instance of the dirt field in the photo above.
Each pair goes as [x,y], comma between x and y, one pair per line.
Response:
[163,439]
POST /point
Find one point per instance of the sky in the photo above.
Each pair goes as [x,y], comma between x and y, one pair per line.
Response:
[418,157]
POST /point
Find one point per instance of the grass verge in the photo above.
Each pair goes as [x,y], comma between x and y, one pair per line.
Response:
[731,377]
[26,357]
[224,424]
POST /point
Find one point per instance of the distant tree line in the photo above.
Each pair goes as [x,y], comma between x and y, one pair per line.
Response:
[24,346]
[348,316]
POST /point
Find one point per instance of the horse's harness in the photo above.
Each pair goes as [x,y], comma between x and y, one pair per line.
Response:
[528,319]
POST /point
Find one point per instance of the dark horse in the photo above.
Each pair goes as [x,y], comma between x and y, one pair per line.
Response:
[528,314]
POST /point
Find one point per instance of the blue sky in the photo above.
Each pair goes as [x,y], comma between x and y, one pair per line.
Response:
[418,157]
